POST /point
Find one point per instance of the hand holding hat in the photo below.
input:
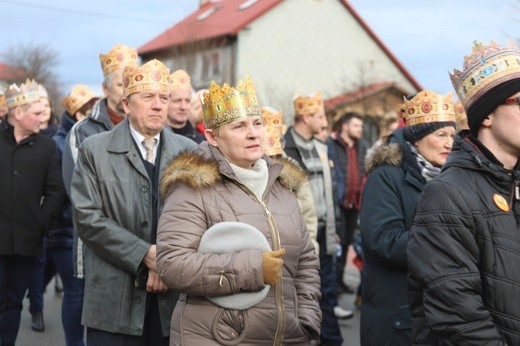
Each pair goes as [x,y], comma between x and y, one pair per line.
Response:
[272,265]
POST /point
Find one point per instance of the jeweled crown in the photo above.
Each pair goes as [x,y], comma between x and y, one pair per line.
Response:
[273,121]
[78,97]
[153,75]
[118,58]
[222,105]
[180,80]
[27,92]
[308,105]
[428,107]
[486,67]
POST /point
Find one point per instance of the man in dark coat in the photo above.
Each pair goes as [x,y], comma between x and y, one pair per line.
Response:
[464,246]
[31,196]
[350,149]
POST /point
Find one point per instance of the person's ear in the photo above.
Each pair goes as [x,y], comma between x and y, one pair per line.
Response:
[210,137]
[488,121]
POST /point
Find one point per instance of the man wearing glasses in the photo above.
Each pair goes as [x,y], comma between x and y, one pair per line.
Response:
[464,247]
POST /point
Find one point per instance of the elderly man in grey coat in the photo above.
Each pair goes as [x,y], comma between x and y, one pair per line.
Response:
[116,209]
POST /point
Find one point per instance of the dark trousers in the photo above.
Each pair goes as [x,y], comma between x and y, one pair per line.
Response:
[44,270]
[152,334]
[73,289]
[348,224]
[15,273]
[330,332]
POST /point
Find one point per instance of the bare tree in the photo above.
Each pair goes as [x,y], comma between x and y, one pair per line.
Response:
[39,61]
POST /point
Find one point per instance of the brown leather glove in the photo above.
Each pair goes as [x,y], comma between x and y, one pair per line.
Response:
[272,265]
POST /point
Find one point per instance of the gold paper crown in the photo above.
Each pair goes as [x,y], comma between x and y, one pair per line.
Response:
[153,75]
[428,107]
[486,67]
[273,131]
[180,81]
[27,92]
[78,97]
[222,105]
[119,57]
[308,105]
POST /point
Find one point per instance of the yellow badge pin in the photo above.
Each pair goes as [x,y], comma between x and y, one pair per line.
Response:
[501,202]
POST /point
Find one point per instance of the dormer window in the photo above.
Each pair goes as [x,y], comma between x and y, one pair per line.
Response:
[246,4]
[207,13]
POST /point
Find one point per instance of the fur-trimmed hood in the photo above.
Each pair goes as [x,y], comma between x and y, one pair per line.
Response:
[386,154]
[202,168]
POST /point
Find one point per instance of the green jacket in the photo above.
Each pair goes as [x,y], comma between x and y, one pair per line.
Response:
[112,198]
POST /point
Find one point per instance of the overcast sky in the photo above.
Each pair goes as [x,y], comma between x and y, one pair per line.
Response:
[430,38]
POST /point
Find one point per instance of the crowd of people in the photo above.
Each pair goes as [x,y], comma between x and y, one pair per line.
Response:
[181,217]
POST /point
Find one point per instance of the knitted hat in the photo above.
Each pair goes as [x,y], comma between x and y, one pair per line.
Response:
[490,75]
[426,112]
[228,237]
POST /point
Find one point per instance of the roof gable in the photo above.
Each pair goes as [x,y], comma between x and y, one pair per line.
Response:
[225,18]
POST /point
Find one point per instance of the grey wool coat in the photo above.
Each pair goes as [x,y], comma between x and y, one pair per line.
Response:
[202,190]
[112,199]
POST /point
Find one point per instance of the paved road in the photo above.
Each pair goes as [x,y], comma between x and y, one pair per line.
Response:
[53,334]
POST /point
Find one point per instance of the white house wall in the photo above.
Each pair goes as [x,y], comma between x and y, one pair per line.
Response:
[304,46]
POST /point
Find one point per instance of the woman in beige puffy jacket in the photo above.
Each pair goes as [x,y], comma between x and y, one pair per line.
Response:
[230,179]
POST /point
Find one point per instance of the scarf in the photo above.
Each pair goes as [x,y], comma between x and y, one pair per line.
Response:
[255,178]
[428,171]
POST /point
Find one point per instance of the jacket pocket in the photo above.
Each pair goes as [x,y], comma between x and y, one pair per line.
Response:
[401,318]
[230,326]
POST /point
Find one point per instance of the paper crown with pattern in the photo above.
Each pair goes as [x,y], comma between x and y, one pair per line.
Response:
[153,75]
[490,75]
[273,120]
[428,107]
[28,92]
[222,105]
[308,105]
[78,97]
[486,67]
[180,80]
[118,58]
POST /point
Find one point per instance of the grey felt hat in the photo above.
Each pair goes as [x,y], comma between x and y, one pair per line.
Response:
[227,237]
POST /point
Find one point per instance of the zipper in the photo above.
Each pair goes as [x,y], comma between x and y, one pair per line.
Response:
[275,235]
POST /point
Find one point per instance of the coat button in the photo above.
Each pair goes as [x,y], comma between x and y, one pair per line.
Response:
[144,188]
[15,172]
[137,300]
[397,323]
[144,224]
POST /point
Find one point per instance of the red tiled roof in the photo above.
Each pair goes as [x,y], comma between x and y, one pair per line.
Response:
[10,73]
[357,94]
[226,20]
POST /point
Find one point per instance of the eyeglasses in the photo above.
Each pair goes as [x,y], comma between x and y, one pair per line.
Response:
[512,101]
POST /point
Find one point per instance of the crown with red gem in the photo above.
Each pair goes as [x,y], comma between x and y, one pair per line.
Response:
[308,105]
[153,75]
[428,107]
[273,121]
[222,105]
[78,97]
[118,58]
[486,67]
[28,92]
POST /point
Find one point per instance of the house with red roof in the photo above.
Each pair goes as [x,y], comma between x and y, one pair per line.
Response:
[289,48]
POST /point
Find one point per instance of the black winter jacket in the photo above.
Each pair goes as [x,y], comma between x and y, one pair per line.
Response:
[464,253]
[31,191]
[392,190]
